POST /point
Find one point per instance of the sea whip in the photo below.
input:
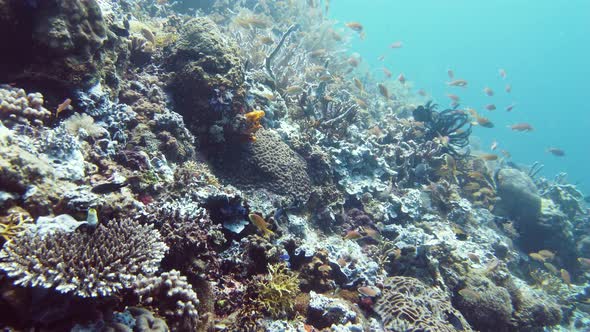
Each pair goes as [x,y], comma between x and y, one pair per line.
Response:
[269,58]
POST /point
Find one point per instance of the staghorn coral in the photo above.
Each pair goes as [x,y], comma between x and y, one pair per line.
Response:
[277,290]
[173,298]
[409,305]
[87,264]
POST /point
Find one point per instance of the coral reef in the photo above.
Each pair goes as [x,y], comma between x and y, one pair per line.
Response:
[409,305]
[94,264]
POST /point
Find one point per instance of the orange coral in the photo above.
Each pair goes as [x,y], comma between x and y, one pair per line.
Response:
[253,121]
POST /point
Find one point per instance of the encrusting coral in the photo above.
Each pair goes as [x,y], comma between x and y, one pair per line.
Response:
[87,264]
[409,305]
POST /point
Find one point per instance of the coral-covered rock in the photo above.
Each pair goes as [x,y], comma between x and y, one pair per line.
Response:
[518,193]
[206,73]
[267,163]
[409,305]
[54,42]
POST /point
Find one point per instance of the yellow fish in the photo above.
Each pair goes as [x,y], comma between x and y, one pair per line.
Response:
[261,224]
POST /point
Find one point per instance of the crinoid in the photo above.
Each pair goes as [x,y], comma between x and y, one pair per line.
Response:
[450,127]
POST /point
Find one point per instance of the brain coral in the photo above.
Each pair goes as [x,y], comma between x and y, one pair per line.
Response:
[268,163]
[409,305]
[87,264]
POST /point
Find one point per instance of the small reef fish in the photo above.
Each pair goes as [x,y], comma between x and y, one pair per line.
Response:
[354,61]
[521,127]
[293,89]
[383,90]
[266,40]
[484,122]
[453,97]
[92,217]
[66,105]
[551,268]
[387,72]
[510,107]
[547,254]
[508,88]
[488,91]
[488,156]
[459,83]
[490,107]
[537,257]
[381,58]
[502,73]
[356,26]
[494,146]
[565,275]
[358,84]
[584,262]
[506,154]
[261,224]
[450,73]
[556,152]
[108,187]
[401,78]
[352,235]
[422,93]
[397,44]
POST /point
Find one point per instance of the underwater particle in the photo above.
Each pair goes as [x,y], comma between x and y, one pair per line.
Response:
[565,276]
[261,224]
[488,91]
[397,44]
[556,151]
[490,107]
[523,126]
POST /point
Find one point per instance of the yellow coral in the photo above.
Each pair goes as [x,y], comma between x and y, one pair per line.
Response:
[12,226]
[277,291]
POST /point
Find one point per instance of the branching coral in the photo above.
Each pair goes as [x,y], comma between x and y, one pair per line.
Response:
[87,264]
[409,305]
[451,127]
[277,290]
[173,297]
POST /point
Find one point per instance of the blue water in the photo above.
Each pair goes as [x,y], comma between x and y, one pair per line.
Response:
[543,46]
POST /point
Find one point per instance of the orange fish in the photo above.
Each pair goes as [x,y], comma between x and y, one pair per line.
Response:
[63,106]
[523,126]
[508,88]
[488,156]
[510,107]
[459,83]
[386,72]
[566,277]
[397,44]
[450,73]
[401,78]
[490,107]
[484,122]
[352,235]
[488,91]
[356,26]
[502,73]
[453,97]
